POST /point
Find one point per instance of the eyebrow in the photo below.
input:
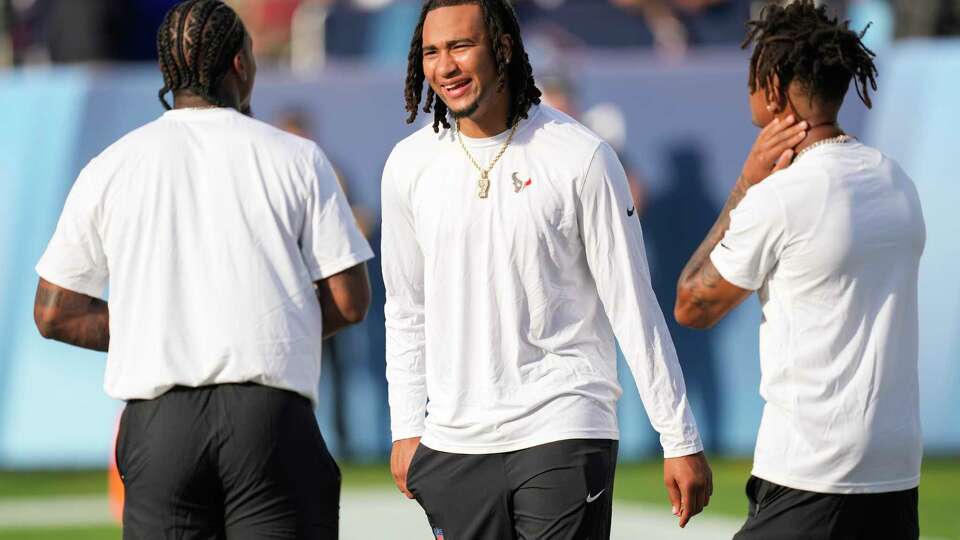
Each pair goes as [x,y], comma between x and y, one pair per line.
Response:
[450,43]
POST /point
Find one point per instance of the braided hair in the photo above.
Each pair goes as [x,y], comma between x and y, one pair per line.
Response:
[517,75]
[196,43]
[800,42]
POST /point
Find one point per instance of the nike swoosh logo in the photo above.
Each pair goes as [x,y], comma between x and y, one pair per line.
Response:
[591,498]
[630,213]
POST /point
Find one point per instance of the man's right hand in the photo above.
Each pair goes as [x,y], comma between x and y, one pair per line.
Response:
[773,149]
[400,458]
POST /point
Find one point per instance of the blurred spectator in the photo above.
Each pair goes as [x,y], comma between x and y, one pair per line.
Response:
[269,23]
[86,30]
[685,209]
[672,26]
[24,21]
[558,92]
[33,31]
[68,31]
[145,16]
[917,18]
[6,44]
[338,356]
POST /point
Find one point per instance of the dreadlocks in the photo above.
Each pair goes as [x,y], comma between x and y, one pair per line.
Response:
[800,42]
[196,43]
[500,20]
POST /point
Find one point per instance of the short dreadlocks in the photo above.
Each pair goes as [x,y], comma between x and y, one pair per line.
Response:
[500,20]
[196,43]
[800,42]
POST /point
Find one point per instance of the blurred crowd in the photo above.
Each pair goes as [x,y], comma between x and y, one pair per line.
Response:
[303,34]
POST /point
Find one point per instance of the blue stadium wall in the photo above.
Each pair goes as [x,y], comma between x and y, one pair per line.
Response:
[688,131]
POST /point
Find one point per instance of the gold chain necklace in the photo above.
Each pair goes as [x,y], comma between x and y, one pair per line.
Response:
[483,186]
[839,139]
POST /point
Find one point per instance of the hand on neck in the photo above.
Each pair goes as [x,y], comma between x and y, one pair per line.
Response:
[823,122]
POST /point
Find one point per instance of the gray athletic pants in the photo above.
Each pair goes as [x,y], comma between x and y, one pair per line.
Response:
[556,491]
[781,513]
[226,462]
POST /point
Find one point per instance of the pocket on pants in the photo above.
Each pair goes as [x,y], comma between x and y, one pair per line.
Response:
[418,453]
[122,441]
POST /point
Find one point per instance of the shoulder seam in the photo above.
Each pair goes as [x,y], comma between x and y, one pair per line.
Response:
[586,170]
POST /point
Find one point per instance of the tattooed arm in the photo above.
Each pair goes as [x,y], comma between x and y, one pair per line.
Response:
[703,296]
[71,317]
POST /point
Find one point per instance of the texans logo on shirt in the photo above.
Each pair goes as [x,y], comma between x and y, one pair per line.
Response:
[518,184]
[438,533]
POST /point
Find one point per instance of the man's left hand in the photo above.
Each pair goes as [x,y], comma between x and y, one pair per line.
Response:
[689,483]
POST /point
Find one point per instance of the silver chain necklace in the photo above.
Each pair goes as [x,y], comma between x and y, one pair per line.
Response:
[839,139]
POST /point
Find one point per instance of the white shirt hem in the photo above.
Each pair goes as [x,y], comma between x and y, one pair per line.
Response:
[431,442]
[839,488]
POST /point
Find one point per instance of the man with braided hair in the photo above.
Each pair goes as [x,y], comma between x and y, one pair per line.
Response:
[829,232]
[230,252]
[513,261]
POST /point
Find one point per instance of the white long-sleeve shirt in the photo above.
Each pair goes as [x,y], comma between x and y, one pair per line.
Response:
[502,313]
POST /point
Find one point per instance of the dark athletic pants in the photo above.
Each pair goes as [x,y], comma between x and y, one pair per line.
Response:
[556,491]
[782,513]
[232,461]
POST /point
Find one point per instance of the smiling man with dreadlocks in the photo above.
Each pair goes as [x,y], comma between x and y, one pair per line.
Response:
[513,262]
[829,232]
[230,251]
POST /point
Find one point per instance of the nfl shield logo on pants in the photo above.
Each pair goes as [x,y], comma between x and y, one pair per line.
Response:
[438,532]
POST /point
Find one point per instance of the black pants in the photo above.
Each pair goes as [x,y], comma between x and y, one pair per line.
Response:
[555,491]
[233,461]
[782,513]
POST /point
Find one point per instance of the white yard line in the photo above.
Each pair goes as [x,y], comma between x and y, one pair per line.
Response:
[379,513]
[386,514]
[53,512]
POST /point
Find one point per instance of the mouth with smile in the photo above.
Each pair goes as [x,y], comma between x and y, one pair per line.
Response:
[457,88]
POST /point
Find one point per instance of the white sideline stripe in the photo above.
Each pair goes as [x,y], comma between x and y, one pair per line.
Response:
[52,512]
[400,519]
[374,513]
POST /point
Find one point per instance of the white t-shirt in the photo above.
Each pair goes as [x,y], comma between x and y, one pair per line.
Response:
[833,244]
[210,228]
[503,311]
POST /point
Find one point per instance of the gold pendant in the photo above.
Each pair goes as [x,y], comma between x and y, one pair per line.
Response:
[483,186]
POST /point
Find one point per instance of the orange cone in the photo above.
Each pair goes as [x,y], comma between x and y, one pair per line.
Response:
[114,483]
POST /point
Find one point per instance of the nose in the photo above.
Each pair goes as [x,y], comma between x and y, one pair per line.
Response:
[446,65]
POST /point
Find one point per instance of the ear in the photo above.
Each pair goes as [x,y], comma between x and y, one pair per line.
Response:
[774,95]
[240,66]
[506,47]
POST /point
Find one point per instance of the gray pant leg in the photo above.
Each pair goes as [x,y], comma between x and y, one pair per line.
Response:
[463,495]
[169,474]
[563,490]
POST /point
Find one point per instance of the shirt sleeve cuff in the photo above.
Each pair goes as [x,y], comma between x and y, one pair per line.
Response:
[684,450]
[82,286]
[727,272]
[335,267]
[407,433]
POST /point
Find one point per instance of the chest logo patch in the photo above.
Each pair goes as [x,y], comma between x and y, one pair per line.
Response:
[519,185]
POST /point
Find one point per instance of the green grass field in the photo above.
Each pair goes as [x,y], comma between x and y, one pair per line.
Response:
[636,482]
